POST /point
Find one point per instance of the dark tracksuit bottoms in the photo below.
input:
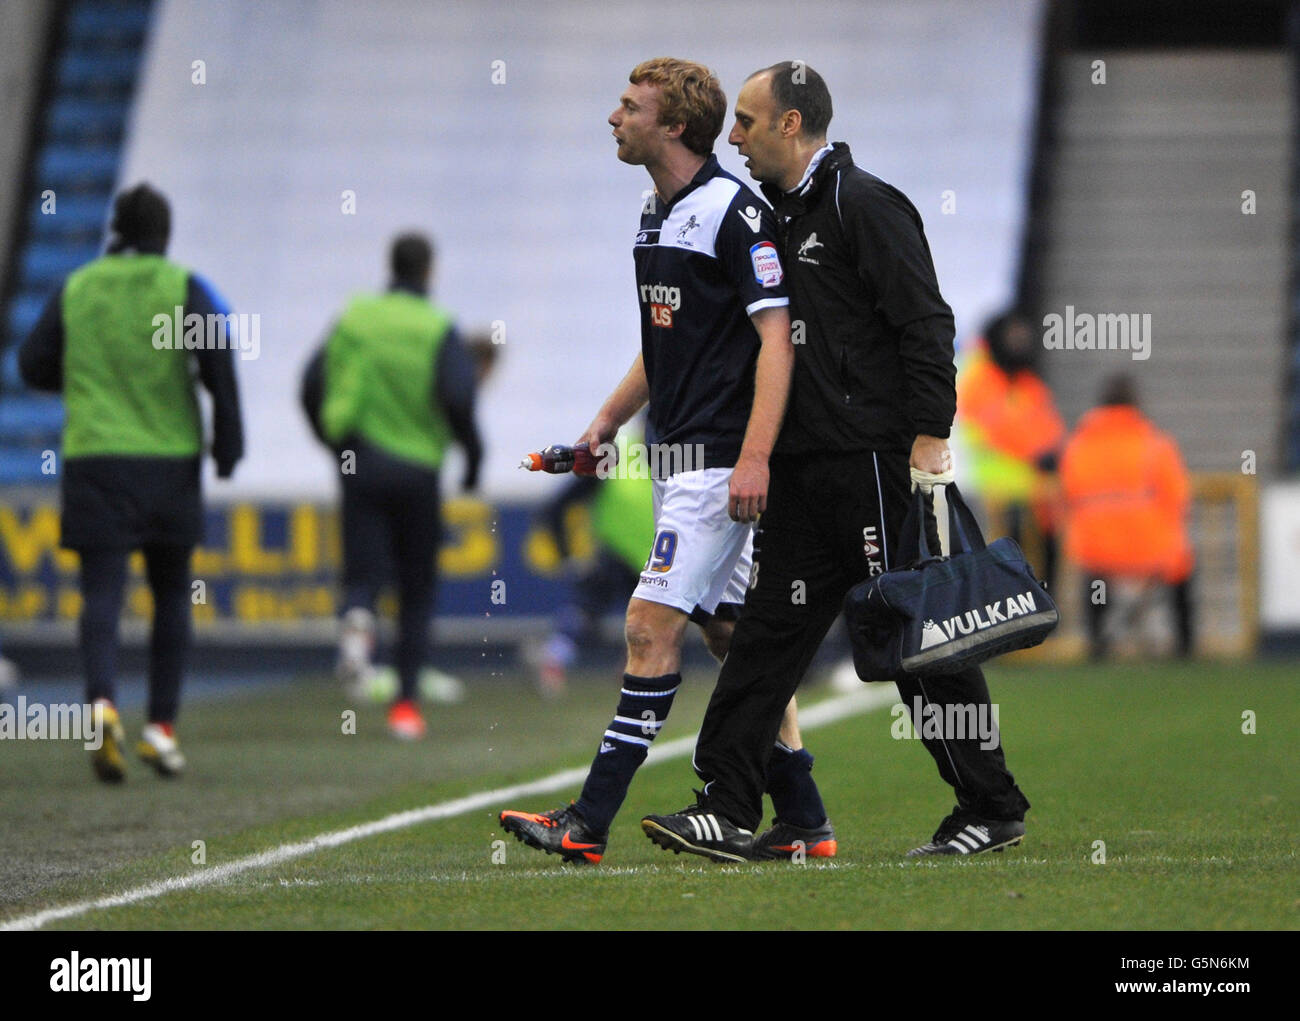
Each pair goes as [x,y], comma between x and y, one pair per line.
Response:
[392,528]
[103,586]
[813,533]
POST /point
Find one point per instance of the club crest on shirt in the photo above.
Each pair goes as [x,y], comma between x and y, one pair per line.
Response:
[809,243]
[683,235]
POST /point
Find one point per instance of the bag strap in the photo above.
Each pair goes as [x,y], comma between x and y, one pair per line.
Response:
[911,537]
[964,535]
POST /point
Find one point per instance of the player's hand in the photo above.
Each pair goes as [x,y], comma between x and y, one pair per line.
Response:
[601,431]
[747,493]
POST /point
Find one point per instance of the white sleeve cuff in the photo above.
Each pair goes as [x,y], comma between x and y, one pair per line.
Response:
[763,303]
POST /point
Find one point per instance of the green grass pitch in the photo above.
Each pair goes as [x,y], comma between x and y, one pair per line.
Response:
[1198,819]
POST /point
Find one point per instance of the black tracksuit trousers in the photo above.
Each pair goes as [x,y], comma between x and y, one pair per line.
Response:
[828,518]
[392,528]
[103,590]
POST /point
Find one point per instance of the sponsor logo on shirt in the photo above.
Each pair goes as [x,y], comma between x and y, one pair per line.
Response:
[662,294]
[767,264]
[663,301]
[752,217]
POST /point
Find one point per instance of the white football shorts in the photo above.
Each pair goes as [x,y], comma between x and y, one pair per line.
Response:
[700,557]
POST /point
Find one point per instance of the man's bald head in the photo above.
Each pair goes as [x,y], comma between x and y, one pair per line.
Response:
[796,86]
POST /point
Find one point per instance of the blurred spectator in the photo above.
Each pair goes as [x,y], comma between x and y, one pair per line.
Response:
[1011,431]
[1127,496]
[484,353]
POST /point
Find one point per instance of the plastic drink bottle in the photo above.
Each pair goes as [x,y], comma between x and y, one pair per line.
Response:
[558,459]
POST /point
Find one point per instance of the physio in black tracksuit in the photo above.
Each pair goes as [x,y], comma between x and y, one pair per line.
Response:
[873,386]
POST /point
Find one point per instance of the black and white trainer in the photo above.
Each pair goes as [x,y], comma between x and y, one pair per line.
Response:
[961,833]
[697,829]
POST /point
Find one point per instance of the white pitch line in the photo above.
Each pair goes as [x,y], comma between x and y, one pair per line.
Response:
[830,711]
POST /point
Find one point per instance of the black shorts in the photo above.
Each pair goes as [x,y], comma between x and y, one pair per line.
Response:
[723,611]
[112,502]
[392,519]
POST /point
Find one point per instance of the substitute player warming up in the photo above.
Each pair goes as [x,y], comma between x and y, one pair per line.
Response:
[132,443]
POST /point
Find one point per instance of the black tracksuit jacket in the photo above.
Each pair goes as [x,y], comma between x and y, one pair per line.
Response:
[873,336]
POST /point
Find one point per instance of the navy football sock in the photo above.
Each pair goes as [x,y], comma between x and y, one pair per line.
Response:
[794,792]
[643,706]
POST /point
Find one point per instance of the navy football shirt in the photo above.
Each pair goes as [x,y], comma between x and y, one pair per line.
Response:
[705,263]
